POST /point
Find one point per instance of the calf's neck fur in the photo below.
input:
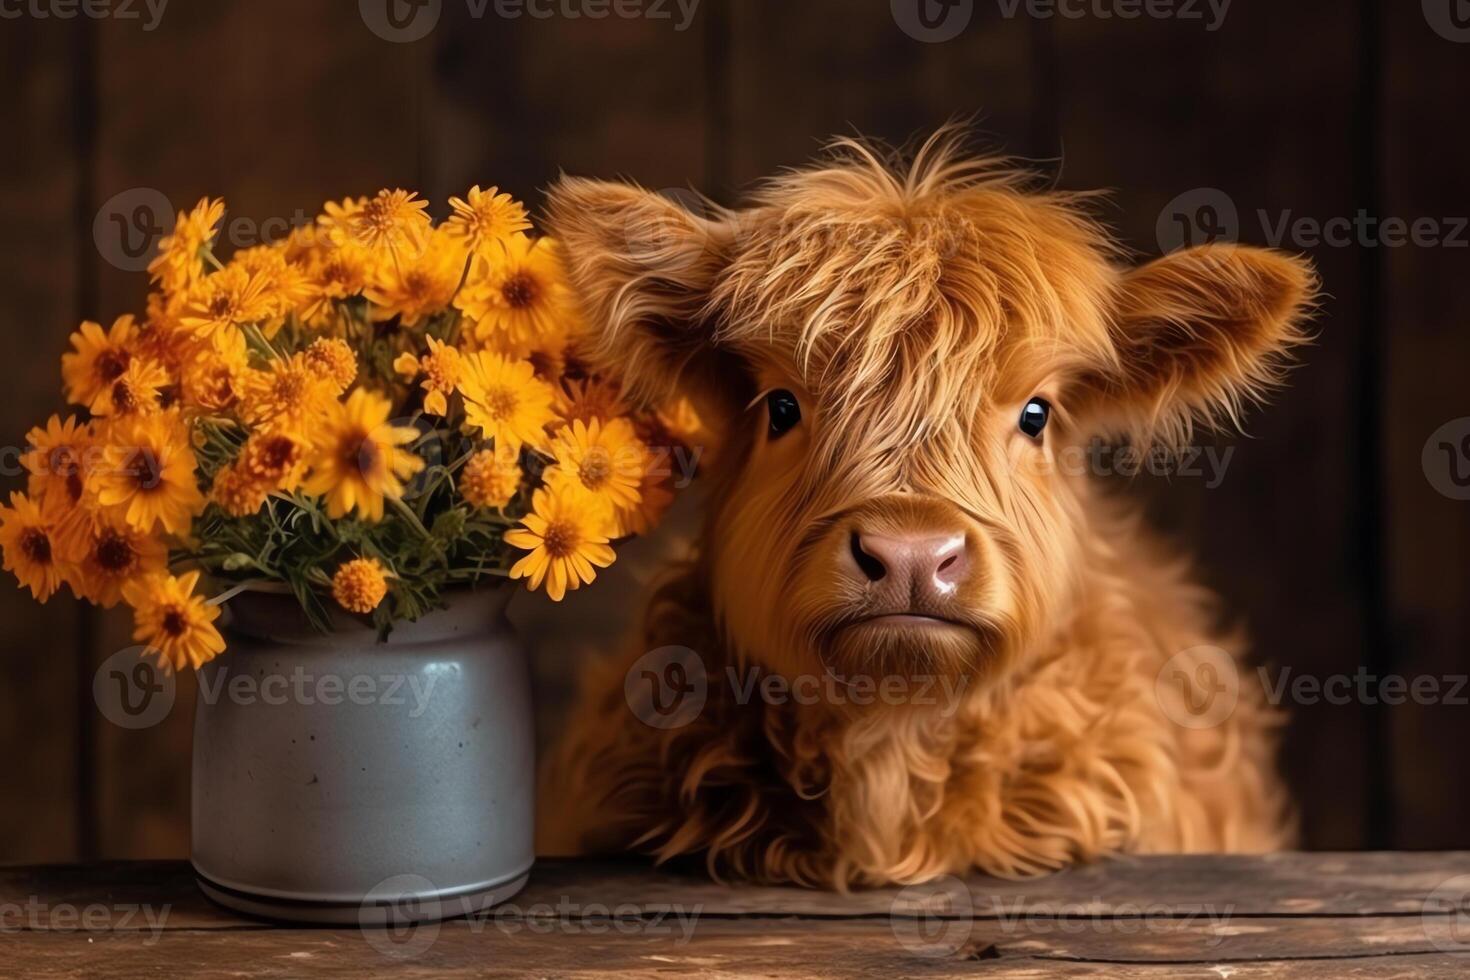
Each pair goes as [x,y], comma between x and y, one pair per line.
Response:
[912,308]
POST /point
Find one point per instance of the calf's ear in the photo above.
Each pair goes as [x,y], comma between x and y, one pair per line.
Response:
[1198,335]
[642,268]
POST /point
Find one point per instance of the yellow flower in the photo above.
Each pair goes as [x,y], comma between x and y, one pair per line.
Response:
[283,286]
[564,541]
[99,359]
[519,299]
[231,298]
[336,274]
[589,398]
[486,218]
[146,475]
[56,459]
[357,459]
[31,550]
[135,392]
[178,264]
[269,461]
[114,556]
[506,400]
[490,478]
[419,285]
[237,494]
[331,358]
[359,585]
[441,368]
[174,622]
[602,464]
[655,497]
[288,395]
[215,378]
[391,222]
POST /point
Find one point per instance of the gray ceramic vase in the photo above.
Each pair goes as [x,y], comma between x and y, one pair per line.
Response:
[342,780]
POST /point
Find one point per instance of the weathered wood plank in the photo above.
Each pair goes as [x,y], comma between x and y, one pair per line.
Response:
[722,948]
[1189,887]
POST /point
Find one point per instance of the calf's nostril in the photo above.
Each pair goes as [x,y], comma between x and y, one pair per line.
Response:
[872,567]
[948,562]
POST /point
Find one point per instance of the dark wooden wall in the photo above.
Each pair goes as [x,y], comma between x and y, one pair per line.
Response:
[1326,536]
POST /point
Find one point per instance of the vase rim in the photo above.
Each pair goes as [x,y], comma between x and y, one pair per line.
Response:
[274,614]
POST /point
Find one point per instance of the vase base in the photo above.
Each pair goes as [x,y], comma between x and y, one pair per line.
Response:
[371,912]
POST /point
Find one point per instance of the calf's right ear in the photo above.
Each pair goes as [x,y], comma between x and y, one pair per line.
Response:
[642,268]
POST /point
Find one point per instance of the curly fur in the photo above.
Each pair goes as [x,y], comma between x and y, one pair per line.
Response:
[913,309]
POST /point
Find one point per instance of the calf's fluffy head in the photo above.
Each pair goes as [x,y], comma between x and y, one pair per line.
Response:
[898,358]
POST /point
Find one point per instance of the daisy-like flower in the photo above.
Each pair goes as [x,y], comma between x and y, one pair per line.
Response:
[100,358]
[231,298]
[505,399]
[146,473]
[137,391]
[331,358]
[334,274]
[359,585]
[178,264]
[586,399]
[391,222]
[56,458]
[418,285]
[28,537]
[357,459]
[601,463]
[174,622]
[288,395]
[441,368]
[565,542]
[486,219]
[654,498]
[490,478]
[215,379]
[114,556]
[283,285]
[519,297]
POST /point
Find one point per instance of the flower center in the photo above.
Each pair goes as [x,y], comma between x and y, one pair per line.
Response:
[561,538]
[122,397]
[175,623]
[501,403]
[114,553]
[111,364]
[595,469]
[144,469]
[36,545]
[363,453]
[277,453]
[520,291]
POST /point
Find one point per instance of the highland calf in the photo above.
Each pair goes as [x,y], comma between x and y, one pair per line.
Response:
[898,358]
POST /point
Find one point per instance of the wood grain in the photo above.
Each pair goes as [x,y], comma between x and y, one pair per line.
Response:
[1364,915]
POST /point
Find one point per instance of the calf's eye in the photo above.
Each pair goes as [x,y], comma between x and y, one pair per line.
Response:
[784,410]
[1034,416]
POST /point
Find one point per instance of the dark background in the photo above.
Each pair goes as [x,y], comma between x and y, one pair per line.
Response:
[1326,535]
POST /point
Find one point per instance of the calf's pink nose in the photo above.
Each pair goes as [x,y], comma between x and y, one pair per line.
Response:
[932,563]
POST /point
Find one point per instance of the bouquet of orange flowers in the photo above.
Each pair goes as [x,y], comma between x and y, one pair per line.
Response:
[373,410]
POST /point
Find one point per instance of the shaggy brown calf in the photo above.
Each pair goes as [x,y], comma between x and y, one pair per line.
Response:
[903,361]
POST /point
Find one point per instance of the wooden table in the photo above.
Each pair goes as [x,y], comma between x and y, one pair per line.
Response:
[1287,915]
